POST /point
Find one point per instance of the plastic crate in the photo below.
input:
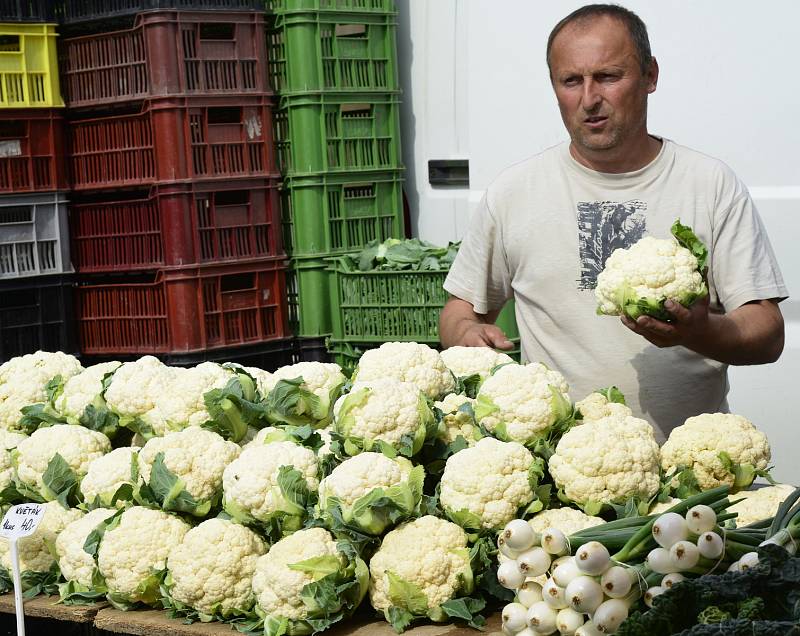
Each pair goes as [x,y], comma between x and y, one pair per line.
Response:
[177,224]
[360,6]
[333,52]
[183,310]
[308,291]
[166,53]
[77,12]
[29,66]
[34,238]
[37,313]
[333,214]
[171,139]
[31,151]
[27,10]
[338,133]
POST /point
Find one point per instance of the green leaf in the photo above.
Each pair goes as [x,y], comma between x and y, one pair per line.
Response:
[230,410]
[290,403]
[319,566]
[168,491]
[612,394]
[60,483]
[97,417]
[484,407]
[688,239]
[467,609]
[36,416]
[398,618]
[406,595]
[93,539]
[469,385]
[294,488]
[592,508]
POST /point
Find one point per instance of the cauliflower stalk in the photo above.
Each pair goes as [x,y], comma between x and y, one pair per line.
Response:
[526,403]
[306,583]
[209,573]
[386,415]
[111,479]
[370,492]
[472,365]
[83,581]
[610,461]
[638,281]
[182,471]
[714,449]
[303,393]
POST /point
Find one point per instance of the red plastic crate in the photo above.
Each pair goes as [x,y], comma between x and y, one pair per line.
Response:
[185,309]
[32,150]
[173,139]
[177,224]
[166,53]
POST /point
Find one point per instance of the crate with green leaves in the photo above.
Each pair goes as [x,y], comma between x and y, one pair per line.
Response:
[354,6]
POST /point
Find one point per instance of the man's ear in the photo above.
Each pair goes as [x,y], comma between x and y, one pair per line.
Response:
[652,75]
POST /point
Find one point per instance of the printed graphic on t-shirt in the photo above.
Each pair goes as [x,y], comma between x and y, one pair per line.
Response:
[603,226]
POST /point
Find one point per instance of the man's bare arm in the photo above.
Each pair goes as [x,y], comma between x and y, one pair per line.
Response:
[460,325]
[750,334]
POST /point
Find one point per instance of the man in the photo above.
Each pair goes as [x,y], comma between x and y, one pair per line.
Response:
[546,226]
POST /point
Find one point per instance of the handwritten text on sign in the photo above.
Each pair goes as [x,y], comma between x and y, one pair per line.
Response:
[22,520]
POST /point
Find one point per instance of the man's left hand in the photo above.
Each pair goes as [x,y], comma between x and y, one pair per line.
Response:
[691,324]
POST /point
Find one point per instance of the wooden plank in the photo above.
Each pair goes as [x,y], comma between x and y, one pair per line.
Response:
[46,607]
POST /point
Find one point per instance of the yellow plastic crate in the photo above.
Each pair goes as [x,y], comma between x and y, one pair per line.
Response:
[29,66]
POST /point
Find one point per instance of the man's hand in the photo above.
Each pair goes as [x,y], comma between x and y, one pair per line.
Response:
[460,325]
[483,335]
[691,325]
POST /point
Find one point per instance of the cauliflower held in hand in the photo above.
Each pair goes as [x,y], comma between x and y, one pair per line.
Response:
[759,503]
[719,449]
[407,362]
[418,567]
[133,552]
[45,460]
[211,569]
[303,393]
[484,486]
[607,461]
[457,421]
[384,412]
[523,403]
[35,551]
[183,471]
[371,492]
[301,570]
[107,474]
[77,565]
[639,280]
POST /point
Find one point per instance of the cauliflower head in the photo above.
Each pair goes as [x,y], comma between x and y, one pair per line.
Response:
[81,390]
[759,503]
[77,565]
[568,520]
[372,492]
[210,571]
[523,403]
[719,448]
[385,411]
[467,361]
[270,483]
[197,458]
[134,392]
[36,550]
[607,461]
[182,404]
[411,362]
[132,555]
[484,486]
[306,395]
[660,507]
[107,474]
[77,447]
[639,280]
[457,423]
[597,405]
[428,557]
[8,441]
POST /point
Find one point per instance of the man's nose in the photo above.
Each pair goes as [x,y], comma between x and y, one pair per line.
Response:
[591,97]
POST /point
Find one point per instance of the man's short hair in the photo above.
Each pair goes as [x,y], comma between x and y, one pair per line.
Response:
[636,28]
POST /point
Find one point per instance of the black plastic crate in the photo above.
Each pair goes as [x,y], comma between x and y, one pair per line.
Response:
[313,350]
[85,13]
[37,313]
[27,10]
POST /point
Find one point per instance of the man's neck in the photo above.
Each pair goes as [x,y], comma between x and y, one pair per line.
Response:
[629,158]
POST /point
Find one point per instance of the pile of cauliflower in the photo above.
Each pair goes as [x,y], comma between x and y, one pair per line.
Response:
[282,500]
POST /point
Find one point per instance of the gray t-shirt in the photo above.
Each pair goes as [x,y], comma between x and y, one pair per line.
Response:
[544,231]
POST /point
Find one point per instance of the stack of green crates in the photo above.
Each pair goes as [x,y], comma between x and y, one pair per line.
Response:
[333,64]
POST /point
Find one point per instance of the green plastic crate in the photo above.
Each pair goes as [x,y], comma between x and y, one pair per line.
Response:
[325,133]
[333,52]
[359,6]
[308,291]
[334,214]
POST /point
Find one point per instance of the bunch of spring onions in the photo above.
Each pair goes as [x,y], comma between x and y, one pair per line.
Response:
[596,575]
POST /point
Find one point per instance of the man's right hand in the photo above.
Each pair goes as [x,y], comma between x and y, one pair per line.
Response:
[459,325]
[483,335]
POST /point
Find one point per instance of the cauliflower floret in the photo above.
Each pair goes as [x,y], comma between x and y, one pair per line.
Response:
[107,473]
[607,461]
[181,404]
[568,520]
[81,390]
[384,410]
[457,423]
[8,441]
[78,447]
[23,380]
[699,441]
[489,480]
[320,378]
[135,390]
[325,449]
[596,406]
[407,362]
[250,483]
[759,503]
[276,586]
[428,552]
[466,361]
[258,436]
[35,550]
[649,272]
[194,455]
[211,569]
[521,403]
[132,555]
[75,563]
[661,507]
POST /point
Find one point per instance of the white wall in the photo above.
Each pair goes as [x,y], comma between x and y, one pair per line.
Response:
[476,87]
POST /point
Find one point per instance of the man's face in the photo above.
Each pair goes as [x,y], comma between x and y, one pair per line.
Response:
[599,85]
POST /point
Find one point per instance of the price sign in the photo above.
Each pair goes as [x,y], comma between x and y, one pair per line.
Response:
[22,520]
